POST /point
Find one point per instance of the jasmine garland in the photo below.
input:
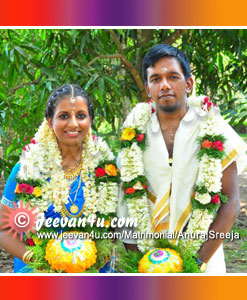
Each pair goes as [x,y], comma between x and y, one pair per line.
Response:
[207,196]
[41,159]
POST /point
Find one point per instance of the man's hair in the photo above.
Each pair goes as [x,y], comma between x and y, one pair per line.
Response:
[163,50]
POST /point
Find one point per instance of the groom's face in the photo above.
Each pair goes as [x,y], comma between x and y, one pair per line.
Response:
[166,84]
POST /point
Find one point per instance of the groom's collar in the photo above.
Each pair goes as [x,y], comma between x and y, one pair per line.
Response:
[189,117]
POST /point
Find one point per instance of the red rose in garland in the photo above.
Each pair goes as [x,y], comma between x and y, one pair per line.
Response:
[25,188]
[130,191]
[100,172]
[215,199]
[140,137]
[218,145]
[30,242]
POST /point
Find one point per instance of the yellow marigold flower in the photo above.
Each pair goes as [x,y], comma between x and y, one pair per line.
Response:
[17,189]
[107,223]
[128,134]
[111,170]
[37,191]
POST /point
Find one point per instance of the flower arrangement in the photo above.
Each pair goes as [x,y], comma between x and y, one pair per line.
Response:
[207,197]
[161,260]
[71,255]
[83,250]
[133,143]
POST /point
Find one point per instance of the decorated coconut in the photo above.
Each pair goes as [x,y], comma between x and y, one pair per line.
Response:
[161,261]
[71,255]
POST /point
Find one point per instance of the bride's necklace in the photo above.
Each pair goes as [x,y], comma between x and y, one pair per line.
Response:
[72,173]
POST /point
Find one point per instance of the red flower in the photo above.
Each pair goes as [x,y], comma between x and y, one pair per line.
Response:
[153,110]
[208,103]
[100,172]
[27,147]
[30,242]
[140,137]
[206,144]
[215,199]
[33,141]
[144,186]
[25,188]
[151,100]
[218,145]
[130,191]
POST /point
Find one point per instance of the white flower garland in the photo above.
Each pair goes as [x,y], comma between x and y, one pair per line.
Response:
[209,175]
[132,166]
[42,160]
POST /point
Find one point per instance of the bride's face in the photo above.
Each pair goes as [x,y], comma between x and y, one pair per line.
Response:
[71,121]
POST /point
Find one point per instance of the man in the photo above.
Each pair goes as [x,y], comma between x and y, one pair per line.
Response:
[170,159]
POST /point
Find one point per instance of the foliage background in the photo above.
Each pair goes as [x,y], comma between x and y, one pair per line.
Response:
[107,64]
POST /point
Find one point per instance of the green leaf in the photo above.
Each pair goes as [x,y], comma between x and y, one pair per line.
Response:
[6,49]
[212,64]
[101,86]
[91,80]
[48,85]
[83,41]
[220,62]
[111,81]
[20,50]
[2,132]
[3,96]
[12,55]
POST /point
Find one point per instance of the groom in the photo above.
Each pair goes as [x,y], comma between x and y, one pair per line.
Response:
[170,159]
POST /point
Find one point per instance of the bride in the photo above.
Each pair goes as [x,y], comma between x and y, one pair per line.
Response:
[62,170]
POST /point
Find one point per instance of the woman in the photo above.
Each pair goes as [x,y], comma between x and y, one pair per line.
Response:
[57,170]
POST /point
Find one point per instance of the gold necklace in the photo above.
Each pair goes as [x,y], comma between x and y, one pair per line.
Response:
[71,174]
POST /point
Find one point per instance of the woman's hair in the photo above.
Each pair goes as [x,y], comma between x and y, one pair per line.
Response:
[63,92]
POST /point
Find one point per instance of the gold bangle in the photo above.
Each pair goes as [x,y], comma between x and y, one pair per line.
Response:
[27,256]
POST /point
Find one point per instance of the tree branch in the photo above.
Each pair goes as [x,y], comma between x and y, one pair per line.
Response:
[130,67]
[176,35]
[116,40]
[35,82]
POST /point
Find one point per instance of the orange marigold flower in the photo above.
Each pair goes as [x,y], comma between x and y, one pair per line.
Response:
[107,223]
[111,170]
[128,134]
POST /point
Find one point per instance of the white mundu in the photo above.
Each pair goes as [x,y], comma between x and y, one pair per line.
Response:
[171,187]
